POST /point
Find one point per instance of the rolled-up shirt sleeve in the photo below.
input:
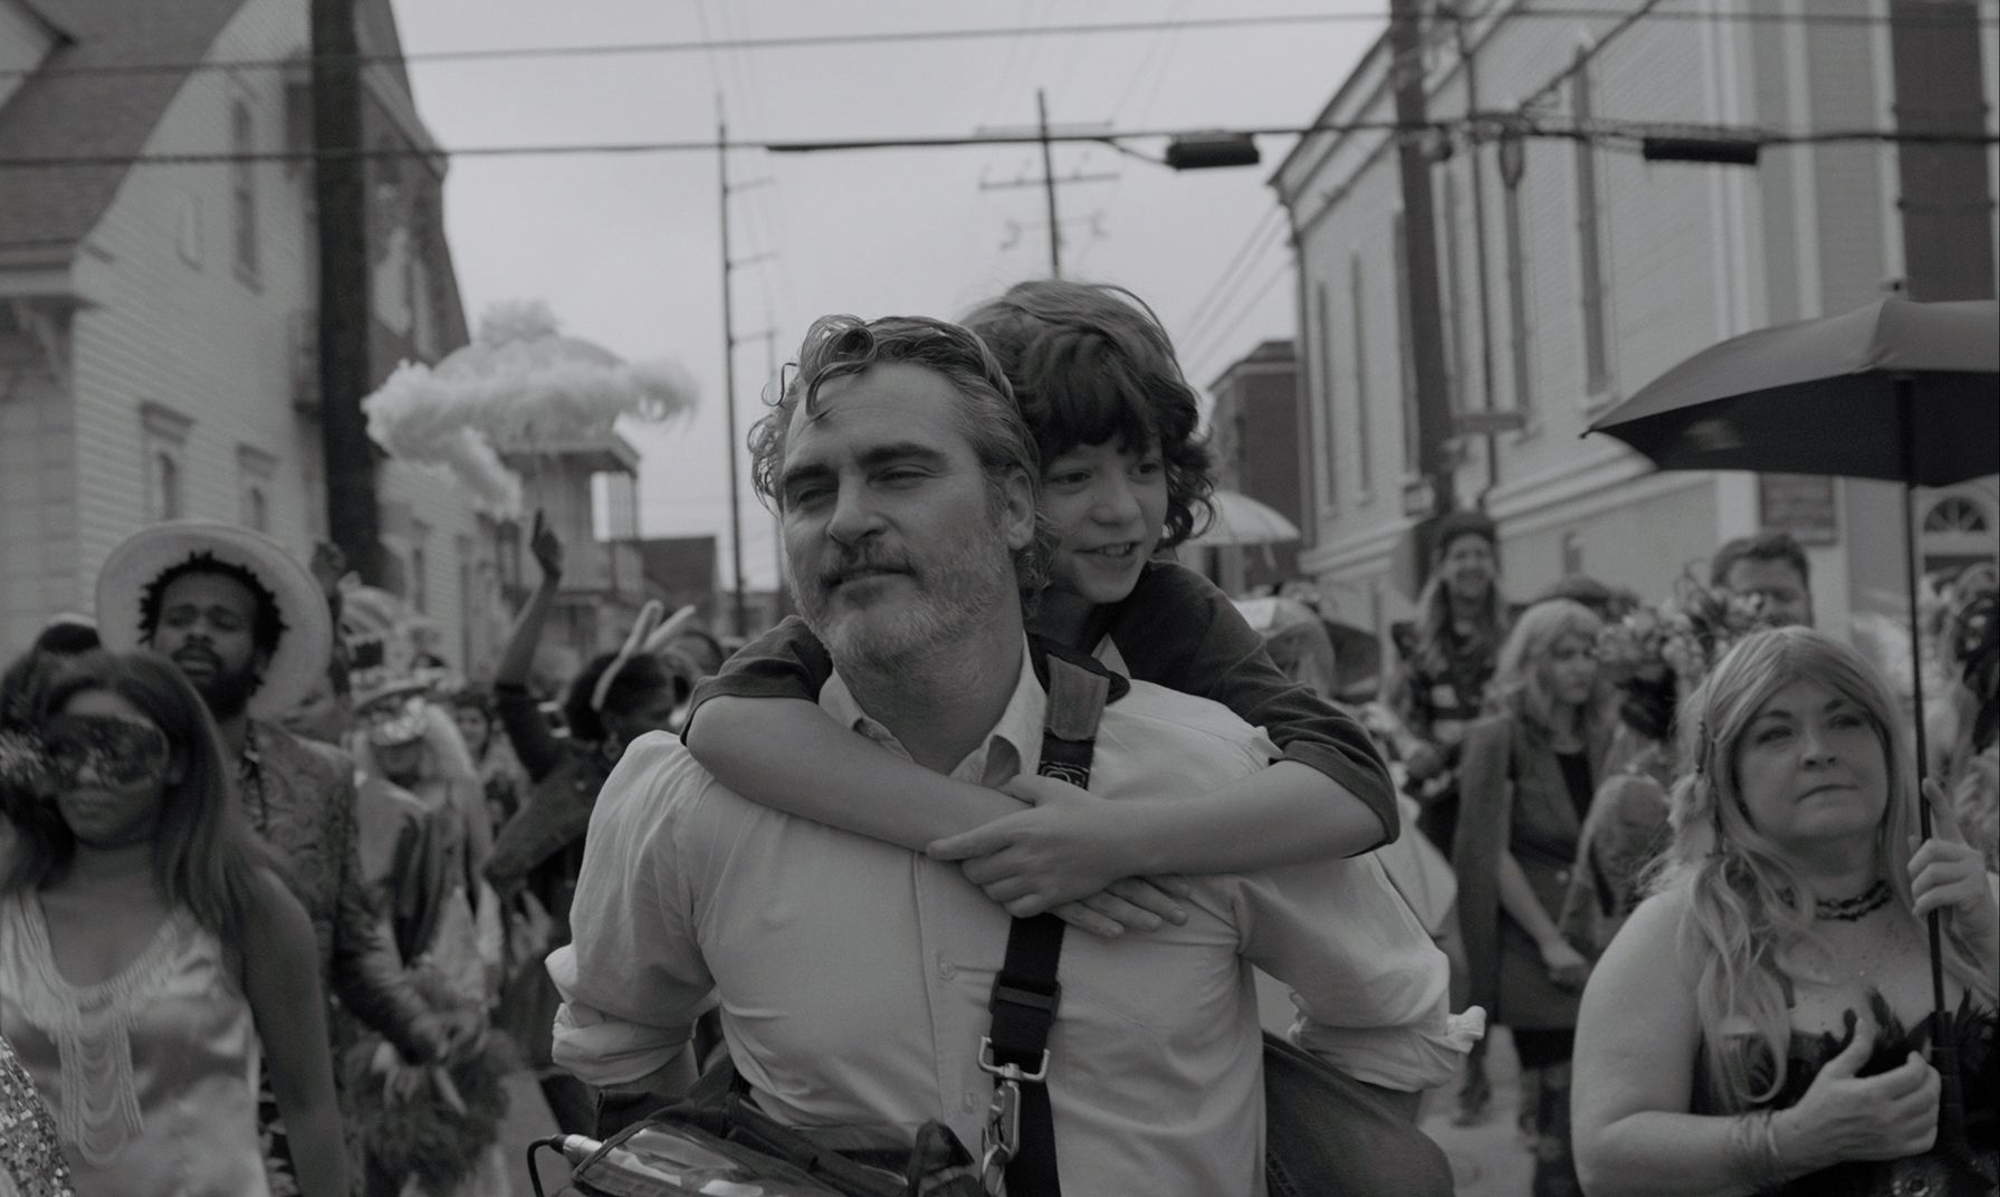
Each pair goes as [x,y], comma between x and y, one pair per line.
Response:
[633,979]
[1371,988]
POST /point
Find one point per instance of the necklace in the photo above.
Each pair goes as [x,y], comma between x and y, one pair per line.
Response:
[1849,910]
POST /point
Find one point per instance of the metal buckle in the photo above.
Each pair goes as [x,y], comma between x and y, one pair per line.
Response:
[1010,1072]
[1002,1132]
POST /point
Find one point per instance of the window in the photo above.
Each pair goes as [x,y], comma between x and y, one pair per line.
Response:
[1452,309]
[1955,514]
[420,567]
[1405,348]
[1957,532]
[1326,404]
[1357,307]
[507,552]
[187,231]
[165,500]
[163,435]
[424,304]
[1589,238]
[468,601]
[1517,299]
[242,190]
[254,471]
[1572,554]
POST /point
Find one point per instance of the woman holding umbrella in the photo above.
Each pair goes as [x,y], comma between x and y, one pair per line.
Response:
[1759,1024]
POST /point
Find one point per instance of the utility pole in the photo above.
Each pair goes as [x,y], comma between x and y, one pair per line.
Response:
[1049,182]
[729,343]
[781,599]
[1426,320]
[740,621]
[339,189]
[1487,401]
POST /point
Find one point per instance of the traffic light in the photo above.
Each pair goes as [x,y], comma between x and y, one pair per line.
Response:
[1206,151]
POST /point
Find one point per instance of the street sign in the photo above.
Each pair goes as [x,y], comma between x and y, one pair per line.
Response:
[1486,423]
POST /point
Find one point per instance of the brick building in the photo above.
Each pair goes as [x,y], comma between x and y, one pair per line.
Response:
[1255,435]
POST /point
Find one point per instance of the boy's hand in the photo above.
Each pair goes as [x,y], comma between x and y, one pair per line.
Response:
[1060,855]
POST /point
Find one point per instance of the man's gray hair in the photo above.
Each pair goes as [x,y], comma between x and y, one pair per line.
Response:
[836,346]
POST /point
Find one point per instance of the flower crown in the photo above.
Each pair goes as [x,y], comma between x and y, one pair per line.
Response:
[1685,634]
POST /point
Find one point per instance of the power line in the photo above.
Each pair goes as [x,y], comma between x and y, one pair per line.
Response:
[898,37]
[1229,278]
[1584,56]
[1599,131]
[1214,343]
[1139,75]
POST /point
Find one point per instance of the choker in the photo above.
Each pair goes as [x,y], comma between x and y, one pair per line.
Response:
[1848,910]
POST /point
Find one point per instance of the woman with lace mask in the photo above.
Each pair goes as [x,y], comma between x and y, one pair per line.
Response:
[1763,1023]
[149,955]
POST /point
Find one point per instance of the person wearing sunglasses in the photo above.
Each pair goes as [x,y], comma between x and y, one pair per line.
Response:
[150,956]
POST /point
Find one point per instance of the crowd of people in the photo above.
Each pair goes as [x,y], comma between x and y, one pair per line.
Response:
[979,859]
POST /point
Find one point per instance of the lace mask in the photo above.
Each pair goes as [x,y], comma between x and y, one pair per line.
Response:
[117,751]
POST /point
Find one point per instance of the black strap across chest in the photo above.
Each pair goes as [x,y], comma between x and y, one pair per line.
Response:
[1026,995]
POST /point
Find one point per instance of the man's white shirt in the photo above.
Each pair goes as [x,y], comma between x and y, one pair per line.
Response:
[853,976]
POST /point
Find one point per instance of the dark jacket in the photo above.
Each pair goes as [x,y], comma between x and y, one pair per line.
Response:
[300,798]
[1513,798]
[541,847]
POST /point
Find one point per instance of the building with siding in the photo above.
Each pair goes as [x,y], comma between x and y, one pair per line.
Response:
[1601,272]
[157,328]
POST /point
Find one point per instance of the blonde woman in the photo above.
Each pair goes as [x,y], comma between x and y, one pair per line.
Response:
[1762,1022]
[1529,771]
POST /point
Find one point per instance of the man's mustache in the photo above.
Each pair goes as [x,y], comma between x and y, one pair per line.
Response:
[850,564]
[197,654]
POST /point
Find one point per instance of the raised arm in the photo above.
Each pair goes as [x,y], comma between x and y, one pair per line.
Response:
[534,745]
[281,981]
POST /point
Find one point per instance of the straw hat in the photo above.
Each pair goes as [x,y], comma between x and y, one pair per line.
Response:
[304,645]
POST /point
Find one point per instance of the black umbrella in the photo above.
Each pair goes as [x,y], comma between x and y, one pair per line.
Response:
[1904,391]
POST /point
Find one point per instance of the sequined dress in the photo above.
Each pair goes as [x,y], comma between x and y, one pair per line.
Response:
[31,1162]
[152,1073]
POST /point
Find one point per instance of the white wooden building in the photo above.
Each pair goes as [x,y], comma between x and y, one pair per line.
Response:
[157,319]
[1602,272]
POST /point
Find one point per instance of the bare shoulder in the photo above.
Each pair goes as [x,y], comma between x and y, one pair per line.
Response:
[276,916]
[1652,944]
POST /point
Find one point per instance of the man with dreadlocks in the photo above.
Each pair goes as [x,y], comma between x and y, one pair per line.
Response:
[249,626]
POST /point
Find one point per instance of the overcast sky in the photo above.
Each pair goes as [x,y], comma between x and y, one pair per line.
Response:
[624,248]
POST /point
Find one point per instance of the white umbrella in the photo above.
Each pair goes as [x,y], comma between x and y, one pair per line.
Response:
[1242,520]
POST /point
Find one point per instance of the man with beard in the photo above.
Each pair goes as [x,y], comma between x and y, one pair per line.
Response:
[1770,568]
[853,976]
[249,626]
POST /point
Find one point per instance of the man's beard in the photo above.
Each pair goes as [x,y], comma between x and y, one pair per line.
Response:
[227,693]
[953,593]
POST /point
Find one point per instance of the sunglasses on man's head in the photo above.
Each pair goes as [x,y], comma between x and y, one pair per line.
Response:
[119,751]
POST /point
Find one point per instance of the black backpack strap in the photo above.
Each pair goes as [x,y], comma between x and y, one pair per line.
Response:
[1020,1131]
